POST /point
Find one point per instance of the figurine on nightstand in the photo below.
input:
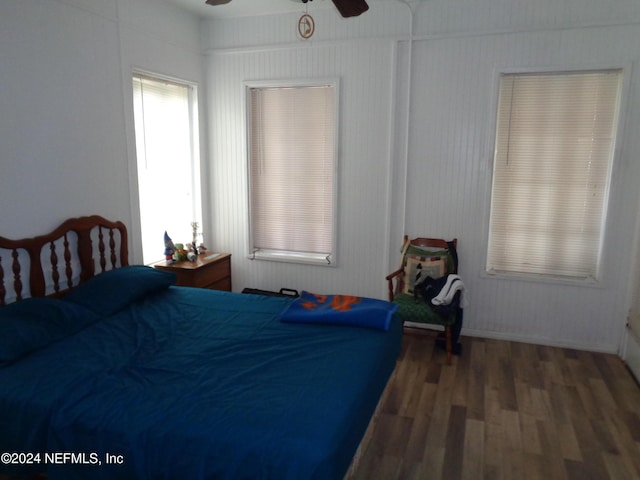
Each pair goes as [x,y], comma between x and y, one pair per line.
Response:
[194,229]
[169,248]
[181,252]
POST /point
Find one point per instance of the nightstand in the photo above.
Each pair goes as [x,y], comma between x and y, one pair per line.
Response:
[210,270]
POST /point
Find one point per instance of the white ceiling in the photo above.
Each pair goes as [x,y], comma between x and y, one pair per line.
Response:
[249,7]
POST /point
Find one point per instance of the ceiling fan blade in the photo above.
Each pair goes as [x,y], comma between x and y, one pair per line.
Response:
[217,2]
[351,8]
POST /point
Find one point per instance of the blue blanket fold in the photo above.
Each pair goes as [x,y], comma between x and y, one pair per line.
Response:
[340,310]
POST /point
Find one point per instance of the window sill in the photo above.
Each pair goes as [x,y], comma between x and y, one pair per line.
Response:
[293,257]
[542,278]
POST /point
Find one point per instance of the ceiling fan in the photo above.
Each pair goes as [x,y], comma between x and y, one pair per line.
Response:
[347,8]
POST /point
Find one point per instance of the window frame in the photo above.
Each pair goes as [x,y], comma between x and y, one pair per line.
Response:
[618,127]
[195,164]
[286,256]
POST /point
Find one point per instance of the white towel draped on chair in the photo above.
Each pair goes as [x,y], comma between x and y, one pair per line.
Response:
[451,287]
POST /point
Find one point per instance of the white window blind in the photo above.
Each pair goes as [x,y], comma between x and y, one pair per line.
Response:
[292,172]
[553,155]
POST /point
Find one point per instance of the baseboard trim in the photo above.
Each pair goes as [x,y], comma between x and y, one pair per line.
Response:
[536,341]
[631,353]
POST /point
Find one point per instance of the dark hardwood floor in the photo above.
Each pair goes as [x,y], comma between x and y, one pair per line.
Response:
[505,411]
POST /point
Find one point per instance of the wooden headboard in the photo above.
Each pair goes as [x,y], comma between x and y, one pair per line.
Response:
[86,245]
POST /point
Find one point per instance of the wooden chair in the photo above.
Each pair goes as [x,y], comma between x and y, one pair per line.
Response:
[432,257]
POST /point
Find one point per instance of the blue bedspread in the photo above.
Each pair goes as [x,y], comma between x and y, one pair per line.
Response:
[196,384]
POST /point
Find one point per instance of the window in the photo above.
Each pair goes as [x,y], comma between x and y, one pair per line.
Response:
[552,165]
[168,170]
[292,165]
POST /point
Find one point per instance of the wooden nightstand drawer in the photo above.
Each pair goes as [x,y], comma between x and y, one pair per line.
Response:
[204,277]
[210,270]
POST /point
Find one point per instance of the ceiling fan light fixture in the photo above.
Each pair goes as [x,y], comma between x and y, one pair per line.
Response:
[351,8]
[347,8]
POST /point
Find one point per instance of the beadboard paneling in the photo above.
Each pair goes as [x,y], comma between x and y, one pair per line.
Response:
[462,17]
[365,105]
[416,138]
[450,156]
[383,19]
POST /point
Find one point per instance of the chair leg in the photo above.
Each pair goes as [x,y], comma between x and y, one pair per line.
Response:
[447,334]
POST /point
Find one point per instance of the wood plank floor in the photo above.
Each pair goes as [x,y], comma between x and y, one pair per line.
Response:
[505,411]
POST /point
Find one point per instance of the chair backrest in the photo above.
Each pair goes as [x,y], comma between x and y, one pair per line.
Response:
[434,257]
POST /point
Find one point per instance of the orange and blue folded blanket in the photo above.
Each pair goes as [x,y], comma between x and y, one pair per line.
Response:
[340,310]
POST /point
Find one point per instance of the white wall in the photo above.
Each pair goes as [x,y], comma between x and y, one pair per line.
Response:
[66,137]
[366,73]
[455,126]
[62,148]
[160,39]
[443,190]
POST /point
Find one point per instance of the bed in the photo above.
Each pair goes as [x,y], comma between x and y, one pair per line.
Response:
[111,371]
